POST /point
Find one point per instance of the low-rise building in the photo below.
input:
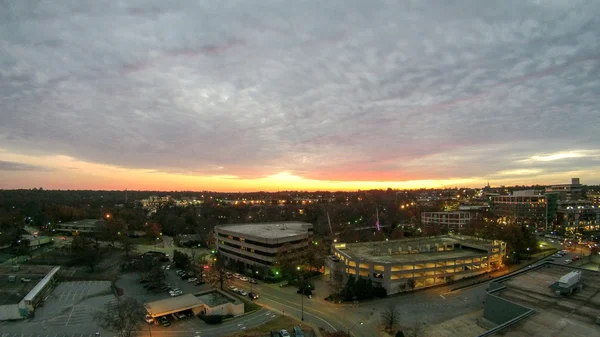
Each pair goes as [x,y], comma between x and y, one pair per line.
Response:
[578,216]
[567,192]
[427,261]
[257,244]
[446,222]
[80,226]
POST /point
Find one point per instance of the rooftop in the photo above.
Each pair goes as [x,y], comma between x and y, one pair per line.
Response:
[572,316]
[270,230]
[380,251]
[173,304]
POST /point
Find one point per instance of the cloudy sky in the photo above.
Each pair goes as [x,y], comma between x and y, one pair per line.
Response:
[265,94]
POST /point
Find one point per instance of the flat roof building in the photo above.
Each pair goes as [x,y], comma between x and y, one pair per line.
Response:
[257,244]
[523,209]
[567,192]
[428,261]
[524,304]
[446,222]
[80,226]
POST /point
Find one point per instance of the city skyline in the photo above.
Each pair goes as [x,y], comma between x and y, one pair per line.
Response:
[342,95]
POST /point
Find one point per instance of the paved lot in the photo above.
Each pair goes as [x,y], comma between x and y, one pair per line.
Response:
[68,311]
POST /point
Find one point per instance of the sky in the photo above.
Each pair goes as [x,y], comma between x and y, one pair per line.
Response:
[306,95]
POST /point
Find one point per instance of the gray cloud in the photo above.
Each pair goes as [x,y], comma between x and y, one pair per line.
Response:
[13,166]
[344,89]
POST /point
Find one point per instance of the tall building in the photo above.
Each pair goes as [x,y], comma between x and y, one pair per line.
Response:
[446,222]
[578,216]
[257,244]
[525,209]
[567,192]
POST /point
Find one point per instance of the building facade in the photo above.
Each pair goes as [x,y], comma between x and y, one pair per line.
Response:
[257,244]
[81,226]
[567,192]
[525,210]
[427,261]
[446,222]
[578,216]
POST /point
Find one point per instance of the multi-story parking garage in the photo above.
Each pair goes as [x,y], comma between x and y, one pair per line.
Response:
[427,261]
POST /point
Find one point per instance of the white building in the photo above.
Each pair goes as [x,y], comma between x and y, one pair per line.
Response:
[447,222]
[257,244]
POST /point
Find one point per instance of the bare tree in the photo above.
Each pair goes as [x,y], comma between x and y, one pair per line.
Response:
[123,317]
[390,317]
[217,274]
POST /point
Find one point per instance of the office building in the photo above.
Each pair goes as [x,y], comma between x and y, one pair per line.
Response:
[578,216]
[567,192]
[524,209]
[446,222]
[257,244]
[426,261]
[80,226]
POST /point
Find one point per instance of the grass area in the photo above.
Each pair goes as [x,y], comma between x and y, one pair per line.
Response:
[281,322]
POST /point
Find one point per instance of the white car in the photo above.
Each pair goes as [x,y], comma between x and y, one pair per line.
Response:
[148,319]
[243,278]
[236,275]
[243,293]
[192,279]
[568,261]
[284,333]
[234,289]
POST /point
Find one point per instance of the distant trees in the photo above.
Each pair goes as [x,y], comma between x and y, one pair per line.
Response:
[124,318]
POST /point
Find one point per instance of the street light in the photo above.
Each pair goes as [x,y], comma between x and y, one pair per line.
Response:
[361,323]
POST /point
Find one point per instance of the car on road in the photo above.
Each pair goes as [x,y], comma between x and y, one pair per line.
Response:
[243,292]
[192,279]
[253,296]
[568,261]
[164,321]
[284,333]
[234,289]
[253,281]
[243,278]
[297,332]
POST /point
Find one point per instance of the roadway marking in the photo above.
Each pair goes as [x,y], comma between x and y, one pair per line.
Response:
[442,296]
[73,308]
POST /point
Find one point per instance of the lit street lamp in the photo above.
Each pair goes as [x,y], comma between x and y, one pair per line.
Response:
[361,323]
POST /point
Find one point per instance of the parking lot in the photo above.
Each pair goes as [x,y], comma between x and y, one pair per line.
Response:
[67,311]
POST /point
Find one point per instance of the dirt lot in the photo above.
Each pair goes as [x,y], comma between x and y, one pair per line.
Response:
[282,322]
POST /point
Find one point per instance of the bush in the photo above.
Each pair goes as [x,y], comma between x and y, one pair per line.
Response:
[212,319]
[379,292]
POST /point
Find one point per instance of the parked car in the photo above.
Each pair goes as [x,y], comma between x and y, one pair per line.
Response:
[575,258]
[164,321]
[148,319]
[297,332]
[243,278]
[236,275]
[568,261]
[253,296]
[284,333]
[199,283]
[234,289]
[243,292]
[192,279]
[253,281]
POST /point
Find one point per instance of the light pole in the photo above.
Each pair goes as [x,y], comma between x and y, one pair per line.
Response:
[301,279]
[359,323]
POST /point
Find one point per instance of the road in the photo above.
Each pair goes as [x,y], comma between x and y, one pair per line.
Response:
[430,307]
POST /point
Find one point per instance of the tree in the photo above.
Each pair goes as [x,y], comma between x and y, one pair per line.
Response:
[155,275]
[287,259]
[127,244]
[181,260]
[122,318]
[390,317]
[217,275]
[348,292]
